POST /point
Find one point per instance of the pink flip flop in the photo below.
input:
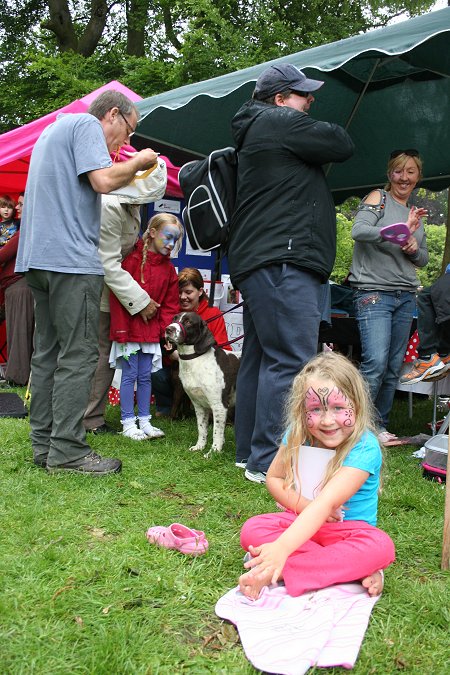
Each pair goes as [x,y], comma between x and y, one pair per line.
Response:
[179,537]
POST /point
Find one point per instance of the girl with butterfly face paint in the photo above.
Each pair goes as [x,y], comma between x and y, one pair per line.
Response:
[332,538]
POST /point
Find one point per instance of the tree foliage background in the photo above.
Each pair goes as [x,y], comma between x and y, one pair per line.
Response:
[53,51]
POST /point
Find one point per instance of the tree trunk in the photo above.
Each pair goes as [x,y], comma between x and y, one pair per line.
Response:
[137,11]
[60,24]
[89,40]
[168,26]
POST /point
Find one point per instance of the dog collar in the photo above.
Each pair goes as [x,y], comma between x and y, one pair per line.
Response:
[188,357]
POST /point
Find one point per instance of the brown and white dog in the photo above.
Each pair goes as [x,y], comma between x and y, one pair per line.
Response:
[208,375]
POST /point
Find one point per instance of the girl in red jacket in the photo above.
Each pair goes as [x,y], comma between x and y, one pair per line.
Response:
[135,342]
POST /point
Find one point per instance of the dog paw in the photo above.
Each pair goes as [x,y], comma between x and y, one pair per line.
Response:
[196,448]
[211,451]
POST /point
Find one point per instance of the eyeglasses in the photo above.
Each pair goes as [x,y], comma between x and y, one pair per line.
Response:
[305,94]
[412,152]
[130,129]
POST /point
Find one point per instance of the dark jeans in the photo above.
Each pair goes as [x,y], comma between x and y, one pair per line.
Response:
[162,390]
[65,355]
[281,327]
[433,337]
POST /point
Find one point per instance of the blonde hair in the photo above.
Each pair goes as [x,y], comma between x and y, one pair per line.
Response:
[348,379]
[157,222]
[398,163]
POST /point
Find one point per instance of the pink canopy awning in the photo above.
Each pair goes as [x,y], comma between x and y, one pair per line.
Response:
[16,145]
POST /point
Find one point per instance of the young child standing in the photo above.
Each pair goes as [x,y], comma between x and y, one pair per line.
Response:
[135,342]
[331,538]
[8,224]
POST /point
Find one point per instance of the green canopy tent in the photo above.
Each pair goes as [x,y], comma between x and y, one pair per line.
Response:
[390,88]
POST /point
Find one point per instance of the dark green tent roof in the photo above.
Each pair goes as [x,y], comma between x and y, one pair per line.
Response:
[390,87]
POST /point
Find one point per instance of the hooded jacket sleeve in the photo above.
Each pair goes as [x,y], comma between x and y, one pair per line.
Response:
[116,233]
[318,142]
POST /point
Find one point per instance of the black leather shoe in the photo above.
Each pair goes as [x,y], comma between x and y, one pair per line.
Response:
[102,429]
[92,463]
[41,461]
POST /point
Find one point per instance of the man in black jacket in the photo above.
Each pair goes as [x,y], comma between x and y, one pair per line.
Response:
[282,247]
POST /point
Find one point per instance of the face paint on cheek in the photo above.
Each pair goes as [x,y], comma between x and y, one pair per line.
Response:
[343,407]
[313,407]
[166,238]
[345,417]
[310,419]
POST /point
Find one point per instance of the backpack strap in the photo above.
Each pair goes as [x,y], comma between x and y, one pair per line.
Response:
[375,208]
[216,275]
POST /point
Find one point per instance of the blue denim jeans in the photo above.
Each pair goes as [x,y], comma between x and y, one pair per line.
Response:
[384,320]
[281,327]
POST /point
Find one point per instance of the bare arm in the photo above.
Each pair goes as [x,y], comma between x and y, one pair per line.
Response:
[121,173]
[272,557]
[287,497]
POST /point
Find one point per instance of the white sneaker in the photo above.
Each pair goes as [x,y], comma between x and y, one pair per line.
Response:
[255,476]
[242,464]
[148,429]
[152,432]
[130,430]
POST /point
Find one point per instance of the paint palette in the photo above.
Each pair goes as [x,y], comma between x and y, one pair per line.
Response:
[398,233]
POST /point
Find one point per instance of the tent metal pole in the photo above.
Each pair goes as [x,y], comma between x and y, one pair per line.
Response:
[361,95]
[357,104]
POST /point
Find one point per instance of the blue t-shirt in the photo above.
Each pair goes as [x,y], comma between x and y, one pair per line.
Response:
[365,455]
[61,214]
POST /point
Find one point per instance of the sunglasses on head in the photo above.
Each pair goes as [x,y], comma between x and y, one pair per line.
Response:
[412,152]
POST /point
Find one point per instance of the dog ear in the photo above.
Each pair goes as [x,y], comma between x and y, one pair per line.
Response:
[206,339]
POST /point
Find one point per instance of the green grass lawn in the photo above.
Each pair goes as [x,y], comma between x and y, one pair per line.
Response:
[84,592]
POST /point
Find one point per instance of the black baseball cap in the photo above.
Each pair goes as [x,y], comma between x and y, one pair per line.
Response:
[281,77]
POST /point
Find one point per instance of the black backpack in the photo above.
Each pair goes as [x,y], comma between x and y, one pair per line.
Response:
[209,188]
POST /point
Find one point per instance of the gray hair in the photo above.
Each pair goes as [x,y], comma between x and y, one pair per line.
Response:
[111,99]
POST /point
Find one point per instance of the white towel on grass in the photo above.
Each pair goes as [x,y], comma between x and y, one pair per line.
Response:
[286,635]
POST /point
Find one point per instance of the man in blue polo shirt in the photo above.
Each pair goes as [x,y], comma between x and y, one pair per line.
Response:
[70,168]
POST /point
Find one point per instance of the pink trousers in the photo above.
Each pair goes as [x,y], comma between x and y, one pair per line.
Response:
[337,553]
